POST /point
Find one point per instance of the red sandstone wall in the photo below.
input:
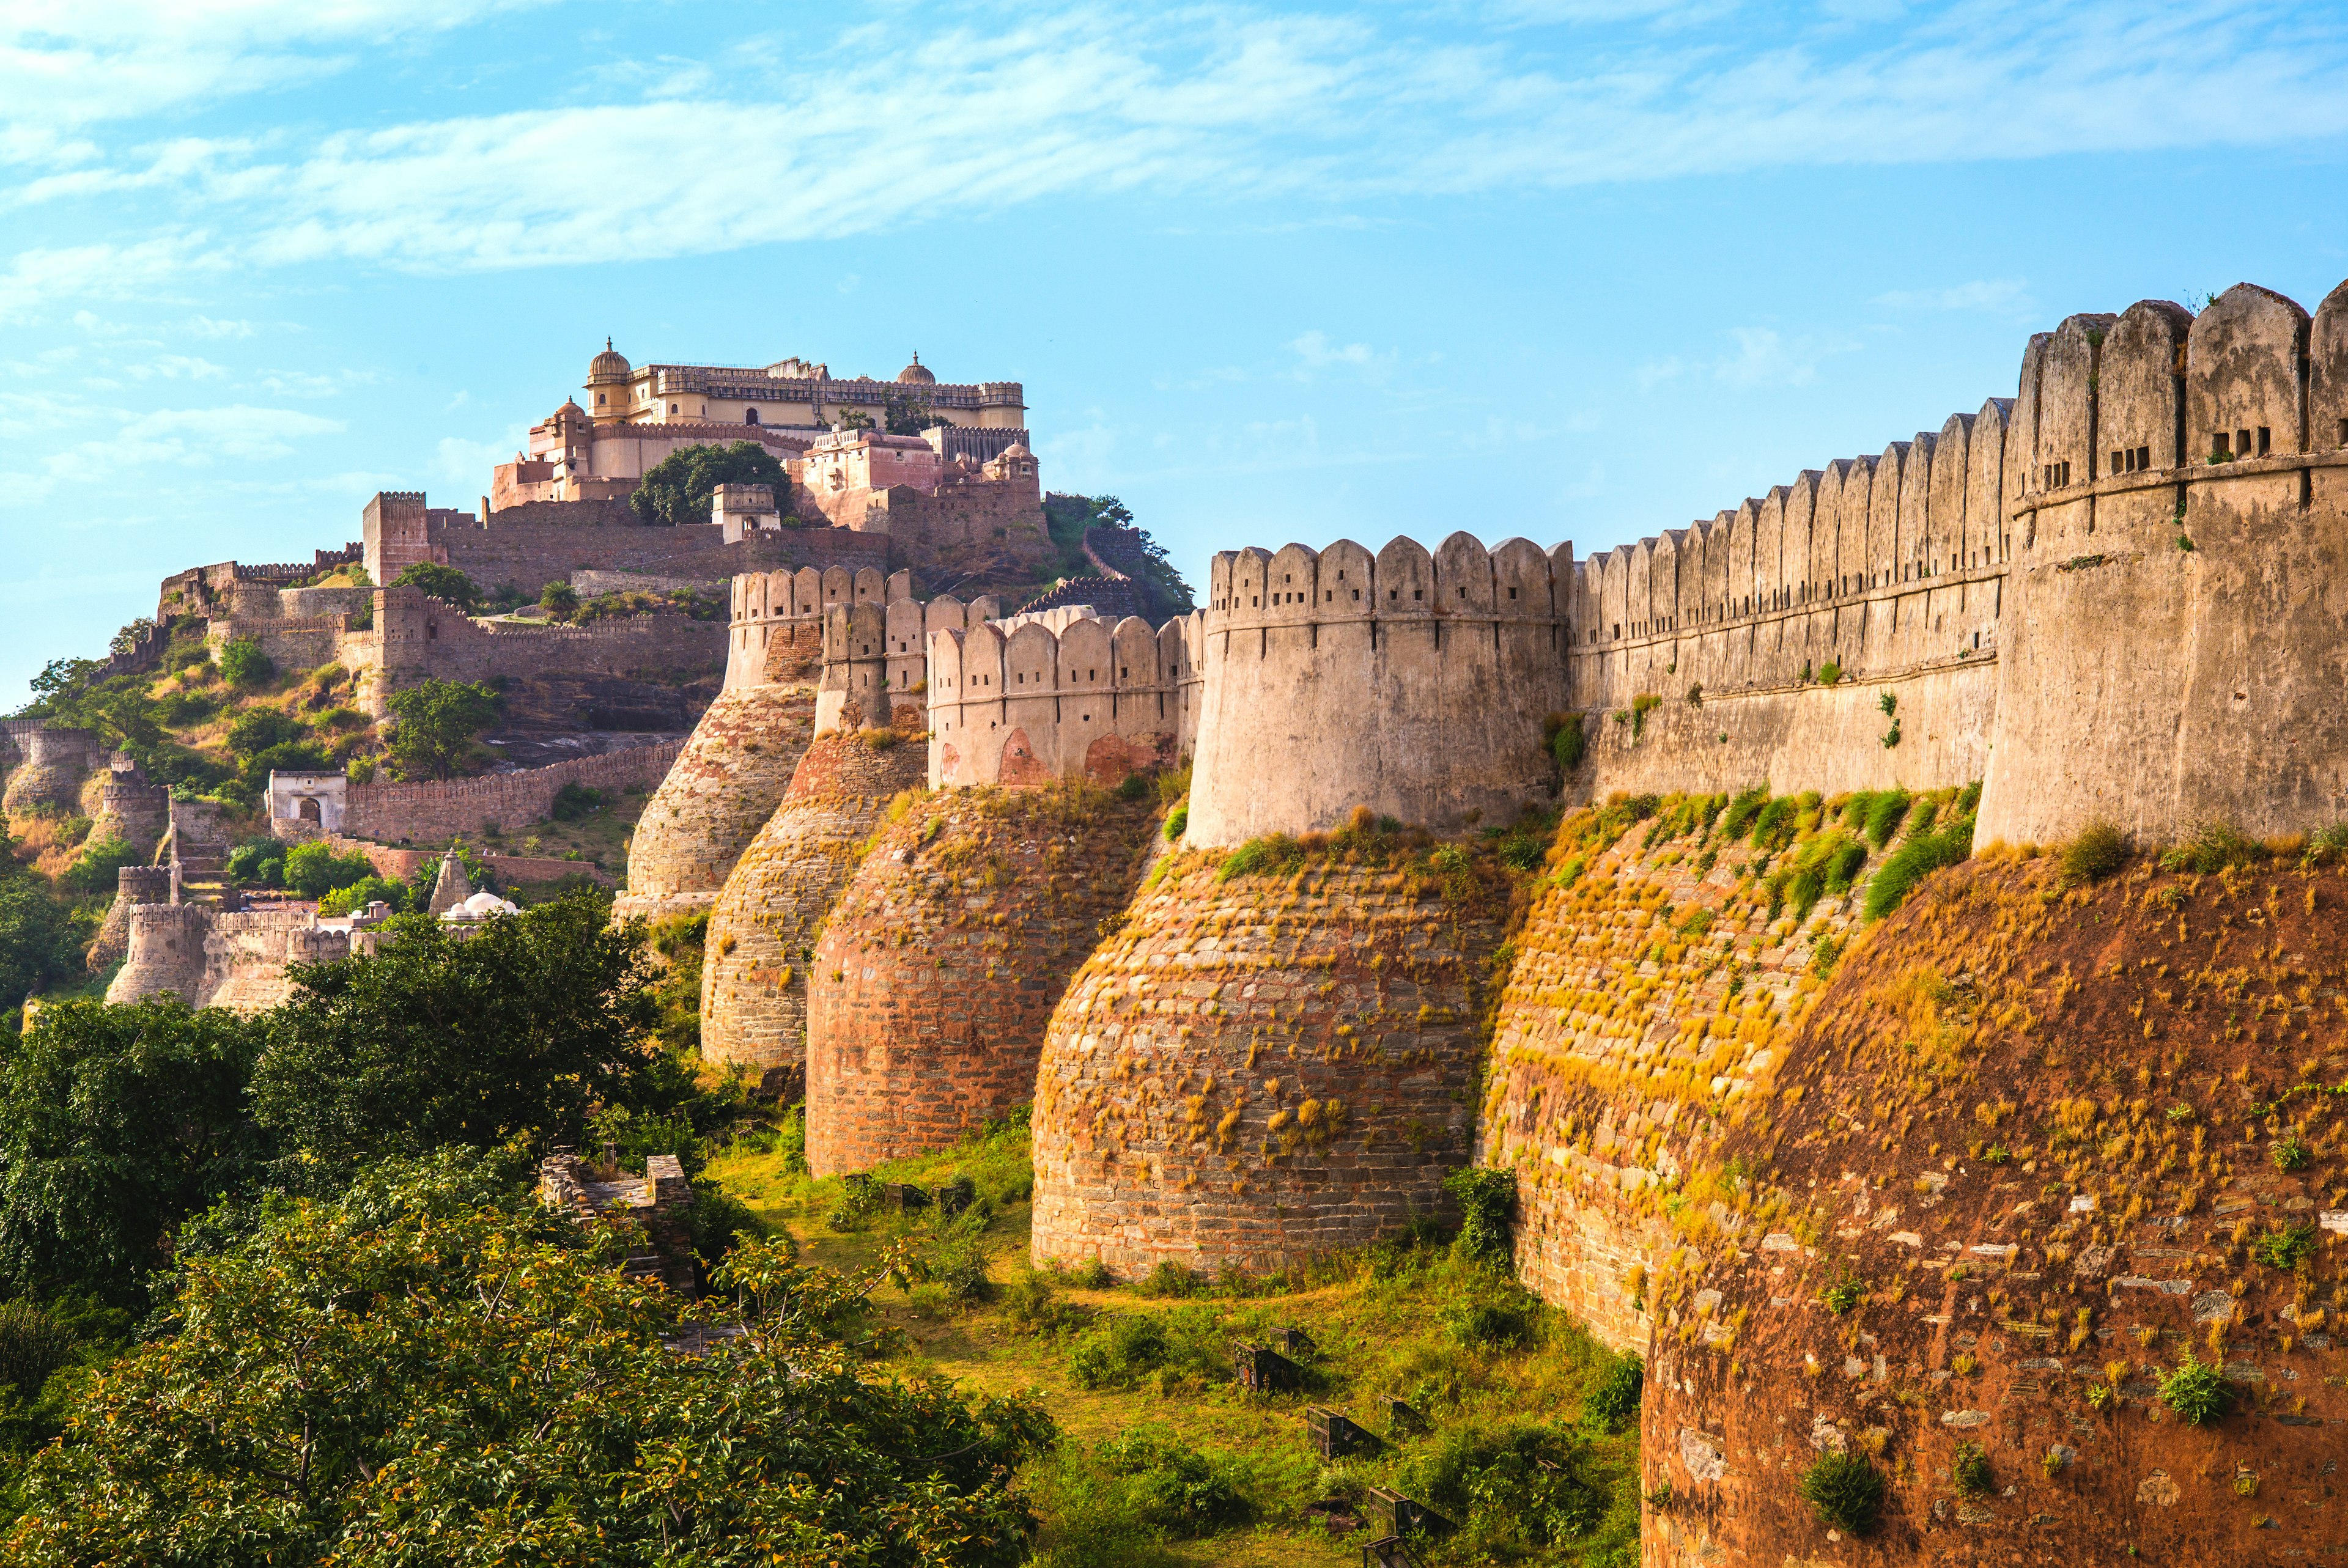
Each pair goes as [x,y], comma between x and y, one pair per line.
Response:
[939,966]
[1252,1071]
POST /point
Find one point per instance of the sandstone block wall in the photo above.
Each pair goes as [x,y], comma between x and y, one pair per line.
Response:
[416,637]
[763,924]
[1248,1072]
[132,810]
[726,781]
[56,762]
[1645,997]
[938,968]
[1413,684]
[246,955]
[165,953]
[431,809]
[1090,700]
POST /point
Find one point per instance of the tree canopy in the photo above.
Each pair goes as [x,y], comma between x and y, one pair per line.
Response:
[425,1371]
[442,582]
[677,488]
[438,721]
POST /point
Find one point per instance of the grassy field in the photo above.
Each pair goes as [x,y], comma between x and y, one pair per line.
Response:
[1531,1435]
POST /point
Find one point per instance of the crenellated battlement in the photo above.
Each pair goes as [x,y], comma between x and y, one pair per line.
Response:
[1020,703]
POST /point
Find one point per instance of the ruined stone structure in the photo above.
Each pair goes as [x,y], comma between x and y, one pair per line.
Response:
[56,762]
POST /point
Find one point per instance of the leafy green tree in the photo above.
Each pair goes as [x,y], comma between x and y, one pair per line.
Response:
[442,582]
[676,489]
[38,944]
[116,1124]
[314,870]
[908,415]
[243,665]
[438,721]
[558,599]
[407,1375]
[93,870]
[512,1032]
[257,729]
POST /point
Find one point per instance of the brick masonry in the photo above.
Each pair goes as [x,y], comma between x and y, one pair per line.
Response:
[764,925]
[1250,1072]
[938,970]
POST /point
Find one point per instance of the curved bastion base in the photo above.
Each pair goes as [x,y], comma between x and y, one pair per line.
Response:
[720,791]
[940,966]
[764,923]
[1254,1071]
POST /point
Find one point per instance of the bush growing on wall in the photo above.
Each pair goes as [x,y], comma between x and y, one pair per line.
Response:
[442,582]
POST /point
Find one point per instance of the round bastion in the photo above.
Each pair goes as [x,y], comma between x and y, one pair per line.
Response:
[56,762]
[1258,1068]
[2042,1224]
[764,923]
[724,785]
[939,966]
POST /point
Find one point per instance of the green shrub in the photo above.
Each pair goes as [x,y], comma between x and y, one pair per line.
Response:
[959,1269]
[1519,1487]
[243,664]
[1970,1470]
[1829,673]
[2099,850]
[1773,826]
[2197,1392]
[2285,1248]
[1177,821]
[1742,811]
[1567,743]
[716,1220]
[1847,1491]
[1274,855]
[1181,1489]
[1483,1324]
[256,729]
[1923,854]
[1117,1352]
[1842,1295]
[1171,1279]
[574,800]
[2289,1153]
[1032,1304]
[1885,814]
[1485,1196]
[1644,704]
[93,870]
[442,582]
[860,1201]
[354,898]
[2214,846]
[34,1346]
[558,599]
[1612,1401]
[1095,1275]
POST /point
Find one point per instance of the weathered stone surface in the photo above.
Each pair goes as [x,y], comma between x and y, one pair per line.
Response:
[763,924]
[940,965]
[1254,1071]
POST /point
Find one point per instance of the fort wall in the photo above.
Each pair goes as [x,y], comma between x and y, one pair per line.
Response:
[1018,703]
[433,809]
[1415,684]
[165,952]
[56,762]
[416,637]
[938,968]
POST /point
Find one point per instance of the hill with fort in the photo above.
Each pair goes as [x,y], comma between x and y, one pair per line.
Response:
[1884,935]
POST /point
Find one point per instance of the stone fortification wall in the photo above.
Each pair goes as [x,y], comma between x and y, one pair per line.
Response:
[1832,738]
[765,602]
[416,637]
[1252,1070]
[435,809]
[134,885]
[1089,700]
[728,778]
[2143,681]
[1649,991]
[395,864]
[130,809]
[56,762]
[763,924]
[940,965]
[165,952]
[246,956]
[1414,684]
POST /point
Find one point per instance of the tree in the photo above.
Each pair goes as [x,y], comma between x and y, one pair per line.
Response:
[258,728]
[438,721]
[442,582]
[908,415]
[38,944]
[314,870]
[243,664]
[560,600]
[424,1371]
[116,1124]
[510,1032]
[677,488]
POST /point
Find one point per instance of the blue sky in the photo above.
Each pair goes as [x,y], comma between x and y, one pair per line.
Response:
[1569,269]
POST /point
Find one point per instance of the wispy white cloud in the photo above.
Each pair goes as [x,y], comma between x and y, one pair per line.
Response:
[886,125]
[1761,357]
[150,270]
[1993,296]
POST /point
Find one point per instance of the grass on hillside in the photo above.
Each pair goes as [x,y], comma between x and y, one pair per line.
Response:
[1163,1459]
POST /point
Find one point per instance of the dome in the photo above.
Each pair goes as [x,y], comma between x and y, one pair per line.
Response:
[607,366]
[917,373]
[1016,449]
[569,414]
